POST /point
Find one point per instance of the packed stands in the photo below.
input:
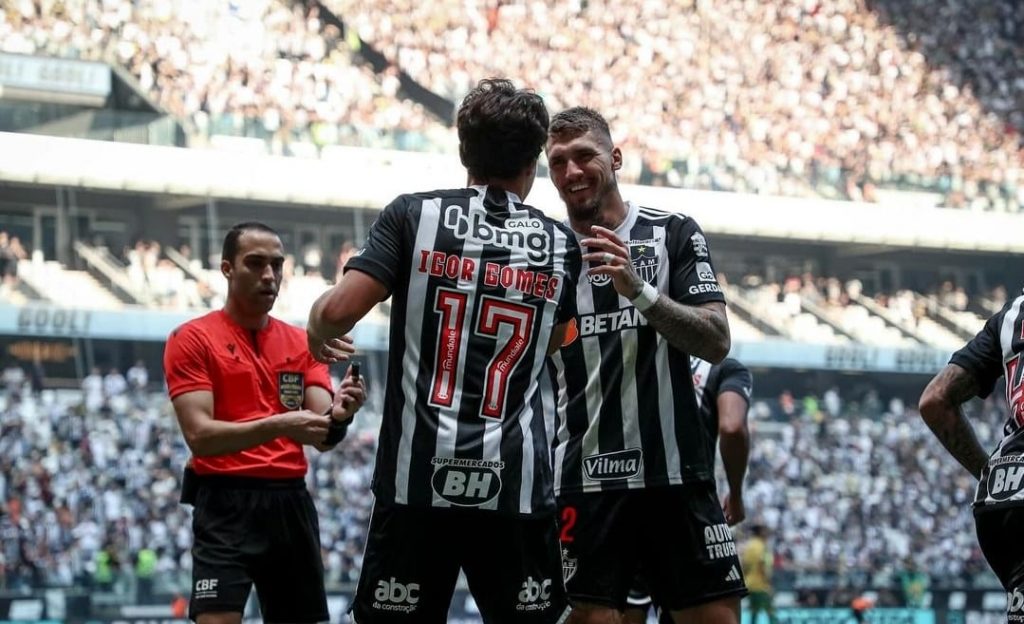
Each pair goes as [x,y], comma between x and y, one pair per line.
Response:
[264,70]
[838,97]
[846,485]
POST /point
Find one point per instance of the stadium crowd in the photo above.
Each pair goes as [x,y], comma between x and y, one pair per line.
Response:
[793,97]
[89,482]
[838,98]
[263,69]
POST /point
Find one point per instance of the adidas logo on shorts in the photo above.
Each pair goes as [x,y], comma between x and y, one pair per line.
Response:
[734,575]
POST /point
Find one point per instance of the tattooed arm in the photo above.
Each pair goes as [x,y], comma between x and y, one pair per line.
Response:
[701,330]
[941,408]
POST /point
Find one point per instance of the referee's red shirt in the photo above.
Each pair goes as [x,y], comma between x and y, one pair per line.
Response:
[252,375]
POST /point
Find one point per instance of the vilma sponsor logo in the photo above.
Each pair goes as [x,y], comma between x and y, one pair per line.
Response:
[474,227]
[534,595]
[617,465]
[391,595]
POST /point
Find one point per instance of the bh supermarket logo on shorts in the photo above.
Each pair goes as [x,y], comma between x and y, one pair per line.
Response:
[466,482]
[390,595]
[534,595]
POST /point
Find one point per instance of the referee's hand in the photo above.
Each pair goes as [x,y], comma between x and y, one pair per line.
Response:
[349,398]
[304,426]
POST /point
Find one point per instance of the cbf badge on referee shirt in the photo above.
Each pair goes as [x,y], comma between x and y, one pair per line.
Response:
[290,389]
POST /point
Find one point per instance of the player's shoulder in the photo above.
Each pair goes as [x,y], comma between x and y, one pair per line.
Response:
[410,199]
[657,216]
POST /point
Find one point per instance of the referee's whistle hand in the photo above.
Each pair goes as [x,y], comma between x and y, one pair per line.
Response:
[304,426]
[348,399]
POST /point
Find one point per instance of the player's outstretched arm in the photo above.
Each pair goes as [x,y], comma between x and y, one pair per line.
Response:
[337,311]
[734,444]
[207,436]
[940,407]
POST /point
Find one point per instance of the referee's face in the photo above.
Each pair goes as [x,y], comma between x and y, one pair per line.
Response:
[583,170]
[254,276]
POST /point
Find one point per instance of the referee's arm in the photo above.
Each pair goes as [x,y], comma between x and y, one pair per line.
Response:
[206,436]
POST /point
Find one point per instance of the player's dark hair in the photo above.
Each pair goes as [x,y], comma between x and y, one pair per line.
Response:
[502,129]
[230,248]
[578,120]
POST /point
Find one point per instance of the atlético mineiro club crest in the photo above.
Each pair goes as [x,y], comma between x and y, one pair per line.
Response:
[644,255]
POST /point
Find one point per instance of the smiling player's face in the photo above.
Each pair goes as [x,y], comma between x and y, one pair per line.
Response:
[583,170]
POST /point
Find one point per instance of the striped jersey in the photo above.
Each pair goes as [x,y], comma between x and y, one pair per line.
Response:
[711,380]
[627,413]
[478,282]
[996,352]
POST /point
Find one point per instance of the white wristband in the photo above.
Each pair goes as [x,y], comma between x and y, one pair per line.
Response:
[646,298]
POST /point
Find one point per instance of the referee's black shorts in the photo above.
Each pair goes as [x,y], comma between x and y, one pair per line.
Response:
[257,531]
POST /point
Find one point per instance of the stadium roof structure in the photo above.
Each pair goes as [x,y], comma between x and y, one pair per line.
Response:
[368,178]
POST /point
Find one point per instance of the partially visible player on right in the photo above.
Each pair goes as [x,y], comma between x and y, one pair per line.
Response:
[972,371]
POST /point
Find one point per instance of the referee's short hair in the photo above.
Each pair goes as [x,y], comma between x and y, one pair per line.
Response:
[502,129]
[578,120]
[230,248]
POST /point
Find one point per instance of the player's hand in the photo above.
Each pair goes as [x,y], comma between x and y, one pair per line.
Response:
[732,507]
[349,398]
[304,426]
[330,350]
[608,255]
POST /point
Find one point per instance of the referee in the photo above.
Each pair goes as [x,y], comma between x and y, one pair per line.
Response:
[248,397]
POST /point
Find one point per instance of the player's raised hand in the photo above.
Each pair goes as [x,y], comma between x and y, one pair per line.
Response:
[608,255]
[330,350]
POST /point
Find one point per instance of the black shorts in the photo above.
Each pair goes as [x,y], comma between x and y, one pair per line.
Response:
[999,538]
[413,557]
[676,534]
[257,531]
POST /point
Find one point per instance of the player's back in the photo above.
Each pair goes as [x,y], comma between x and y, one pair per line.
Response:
[478,281]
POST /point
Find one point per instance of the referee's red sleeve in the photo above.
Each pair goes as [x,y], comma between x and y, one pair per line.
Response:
[186,362]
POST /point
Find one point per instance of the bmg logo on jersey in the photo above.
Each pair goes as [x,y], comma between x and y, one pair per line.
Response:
[1006,479]
[534,595]
[1015,605]
[466,482]
[390,595]
[474,227]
